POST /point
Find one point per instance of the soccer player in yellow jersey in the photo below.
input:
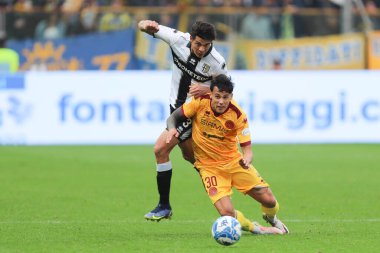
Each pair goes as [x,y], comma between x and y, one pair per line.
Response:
[219,124]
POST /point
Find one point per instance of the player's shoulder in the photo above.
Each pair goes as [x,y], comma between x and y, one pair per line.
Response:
[185,37]
[200,99]
[174,35]
[205,97]
[236,109]
[216,56]
[180,40]
[215,60]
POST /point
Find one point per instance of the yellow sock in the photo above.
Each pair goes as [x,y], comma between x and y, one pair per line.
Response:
[271,212]
[246,224]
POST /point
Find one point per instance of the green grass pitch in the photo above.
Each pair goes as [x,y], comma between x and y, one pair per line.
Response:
[92,199]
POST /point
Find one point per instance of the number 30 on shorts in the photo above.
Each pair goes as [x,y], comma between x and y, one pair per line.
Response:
[210,181]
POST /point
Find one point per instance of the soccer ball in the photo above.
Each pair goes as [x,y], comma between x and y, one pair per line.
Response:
[226,230]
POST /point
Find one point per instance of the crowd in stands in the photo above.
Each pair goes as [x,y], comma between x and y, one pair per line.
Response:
[75,4]
[272,19]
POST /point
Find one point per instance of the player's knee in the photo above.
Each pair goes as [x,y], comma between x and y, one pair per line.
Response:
[160,151]
[269,201]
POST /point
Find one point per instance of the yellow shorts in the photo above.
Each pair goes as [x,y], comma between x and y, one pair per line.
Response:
[218,181]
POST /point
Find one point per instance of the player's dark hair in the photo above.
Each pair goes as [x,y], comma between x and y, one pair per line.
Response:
[204,30]
[223,83]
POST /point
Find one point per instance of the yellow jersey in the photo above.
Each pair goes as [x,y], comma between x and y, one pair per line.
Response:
[216,136]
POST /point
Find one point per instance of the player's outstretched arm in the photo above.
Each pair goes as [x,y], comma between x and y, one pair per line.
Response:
[148,26]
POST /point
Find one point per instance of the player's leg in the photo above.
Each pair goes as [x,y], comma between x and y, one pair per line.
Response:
[269,206]
[185,141]
[187,150]
[164,167]
[164,174]
[225,208]
[218,185]
[250,182]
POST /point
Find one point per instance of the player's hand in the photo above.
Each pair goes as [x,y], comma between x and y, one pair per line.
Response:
[198,90]
[244,163]
[148,26]
[171,133]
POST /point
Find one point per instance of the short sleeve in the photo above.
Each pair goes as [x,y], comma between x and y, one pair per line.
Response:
[190,107]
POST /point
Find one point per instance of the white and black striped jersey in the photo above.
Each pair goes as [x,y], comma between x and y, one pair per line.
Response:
[186,66]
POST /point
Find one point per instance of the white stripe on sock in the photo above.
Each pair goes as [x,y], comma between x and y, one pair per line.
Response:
[164,166]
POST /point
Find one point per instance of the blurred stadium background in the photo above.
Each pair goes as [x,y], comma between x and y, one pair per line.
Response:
[278,53]
[83,96]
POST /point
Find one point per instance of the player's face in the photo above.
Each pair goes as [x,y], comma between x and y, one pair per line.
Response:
[199,46]
[220,100]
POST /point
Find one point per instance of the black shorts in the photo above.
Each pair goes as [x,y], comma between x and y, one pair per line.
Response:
[183,128]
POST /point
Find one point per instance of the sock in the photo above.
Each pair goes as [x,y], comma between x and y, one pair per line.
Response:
[246,224]
[164,175]
[271,212]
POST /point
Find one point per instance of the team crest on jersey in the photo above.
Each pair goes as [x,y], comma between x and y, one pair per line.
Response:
[207,113]
[229,124]
[205,68]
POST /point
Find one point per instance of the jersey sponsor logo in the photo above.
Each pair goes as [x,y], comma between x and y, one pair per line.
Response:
[205,68]
[229,124]
[213,136]
[213,125]
[182,66]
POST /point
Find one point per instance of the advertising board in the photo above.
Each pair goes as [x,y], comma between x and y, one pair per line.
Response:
[131,107]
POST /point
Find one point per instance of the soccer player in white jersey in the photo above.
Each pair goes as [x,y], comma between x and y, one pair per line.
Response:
[195,63]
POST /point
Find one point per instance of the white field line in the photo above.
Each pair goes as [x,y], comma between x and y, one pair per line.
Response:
[53,222]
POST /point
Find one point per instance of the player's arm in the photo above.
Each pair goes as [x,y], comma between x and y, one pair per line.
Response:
[186,111]
[171,122]
[197,89]
[167,34]
[244,137]
[148,26]
[247,155]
